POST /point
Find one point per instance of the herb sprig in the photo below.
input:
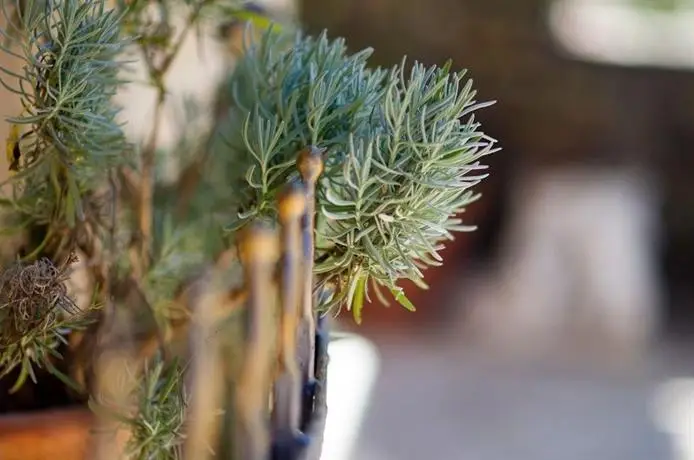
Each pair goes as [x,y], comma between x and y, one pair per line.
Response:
[402,152]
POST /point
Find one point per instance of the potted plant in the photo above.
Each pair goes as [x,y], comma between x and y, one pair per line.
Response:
[204,329]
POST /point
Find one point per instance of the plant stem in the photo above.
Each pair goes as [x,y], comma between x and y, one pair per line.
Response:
[310,165]
[259,254]
[287,397]
[156,75]
[146,214]
[206,375]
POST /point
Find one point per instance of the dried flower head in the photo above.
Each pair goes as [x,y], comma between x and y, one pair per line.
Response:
[36,313]
[32,296]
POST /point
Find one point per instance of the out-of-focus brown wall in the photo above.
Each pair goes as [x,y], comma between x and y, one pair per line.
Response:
[553,110]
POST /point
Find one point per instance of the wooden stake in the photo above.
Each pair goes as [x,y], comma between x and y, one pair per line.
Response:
[310,165]
[287,394]
[259,255]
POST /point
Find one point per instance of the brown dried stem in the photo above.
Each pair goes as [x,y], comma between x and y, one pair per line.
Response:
[287,395]
[259,254]
[310,165]
[146,182]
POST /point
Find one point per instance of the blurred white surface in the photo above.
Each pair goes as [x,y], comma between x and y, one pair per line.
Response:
[447,400]
[620,32]
[352,373]
[673,408]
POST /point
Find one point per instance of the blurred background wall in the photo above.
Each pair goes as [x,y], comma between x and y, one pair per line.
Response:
[592,194]
[556,111]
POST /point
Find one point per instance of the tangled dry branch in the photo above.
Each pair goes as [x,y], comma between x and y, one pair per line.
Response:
[33,297]
[36,314]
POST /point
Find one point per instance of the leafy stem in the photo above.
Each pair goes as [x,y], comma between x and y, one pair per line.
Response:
[157,74]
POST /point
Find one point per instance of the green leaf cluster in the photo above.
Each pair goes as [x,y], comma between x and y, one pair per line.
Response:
[157,425]
[402,155]
[70,74]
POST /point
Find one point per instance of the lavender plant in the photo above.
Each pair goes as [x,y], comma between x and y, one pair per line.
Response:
[401,147]
[387,159]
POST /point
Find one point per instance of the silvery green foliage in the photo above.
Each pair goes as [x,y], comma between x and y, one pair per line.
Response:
[68,51]
[158,425]
[70,71]
[402,153]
